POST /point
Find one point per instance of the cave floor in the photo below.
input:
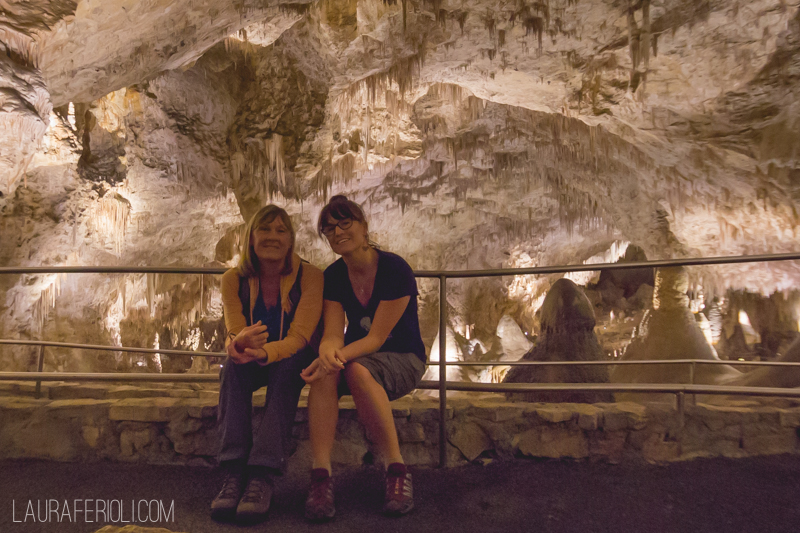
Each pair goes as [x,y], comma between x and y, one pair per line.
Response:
[755,494]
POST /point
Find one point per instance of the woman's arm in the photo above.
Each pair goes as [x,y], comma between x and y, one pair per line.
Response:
[232,305]
[240,336]
[333,337]
[387,315]
[332,340]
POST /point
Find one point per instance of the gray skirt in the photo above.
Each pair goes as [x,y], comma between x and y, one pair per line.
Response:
[397,373]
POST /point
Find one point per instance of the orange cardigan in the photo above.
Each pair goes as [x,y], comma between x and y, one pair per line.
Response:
[306,318]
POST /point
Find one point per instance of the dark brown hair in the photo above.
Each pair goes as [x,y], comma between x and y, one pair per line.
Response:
[339,208]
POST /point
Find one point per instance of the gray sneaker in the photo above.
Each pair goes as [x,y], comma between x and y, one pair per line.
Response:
[224,505]
[254,505]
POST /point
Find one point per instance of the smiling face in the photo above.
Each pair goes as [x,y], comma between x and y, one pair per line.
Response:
[271,241]
[347,240]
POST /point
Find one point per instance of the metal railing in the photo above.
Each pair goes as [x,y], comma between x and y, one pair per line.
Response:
[679,390]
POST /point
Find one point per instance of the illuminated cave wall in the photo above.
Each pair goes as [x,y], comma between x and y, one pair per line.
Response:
[476,134]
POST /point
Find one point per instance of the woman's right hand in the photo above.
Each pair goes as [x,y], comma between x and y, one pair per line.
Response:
[329,359]
[312,372]
[254,336]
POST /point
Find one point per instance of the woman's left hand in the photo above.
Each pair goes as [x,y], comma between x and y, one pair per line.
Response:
[331,360]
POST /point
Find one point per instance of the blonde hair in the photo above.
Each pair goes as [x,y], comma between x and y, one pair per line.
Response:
[248,262]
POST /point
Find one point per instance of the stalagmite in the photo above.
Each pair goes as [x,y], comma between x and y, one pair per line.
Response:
[567,324]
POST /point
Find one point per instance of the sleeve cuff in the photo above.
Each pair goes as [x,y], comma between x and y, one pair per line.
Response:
[272,356]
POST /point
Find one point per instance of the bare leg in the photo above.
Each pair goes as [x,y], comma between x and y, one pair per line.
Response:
[323,413]
[374,411]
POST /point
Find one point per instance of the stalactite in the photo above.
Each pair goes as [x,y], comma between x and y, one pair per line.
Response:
[111,217]
[45,303]
[645,40]
[534,25]
[462,20]
[274,152]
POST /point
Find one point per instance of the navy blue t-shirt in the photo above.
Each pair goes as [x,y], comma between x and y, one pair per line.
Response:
[394,280]
[269,317]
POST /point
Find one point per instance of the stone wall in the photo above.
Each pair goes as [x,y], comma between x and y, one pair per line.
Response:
[178,425]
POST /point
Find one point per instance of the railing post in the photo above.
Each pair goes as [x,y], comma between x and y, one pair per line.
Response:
[442,371]
[691,381]
[40,367]
[680,398]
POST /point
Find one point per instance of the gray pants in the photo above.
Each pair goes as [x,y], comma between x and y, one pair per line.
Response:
[270,444]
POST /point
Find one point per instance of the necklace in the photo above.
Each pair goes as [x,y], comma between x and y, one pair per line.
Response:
[362,282]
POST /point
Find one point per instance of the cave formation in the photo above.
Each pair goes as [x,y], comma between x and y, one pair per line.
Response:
[476,135]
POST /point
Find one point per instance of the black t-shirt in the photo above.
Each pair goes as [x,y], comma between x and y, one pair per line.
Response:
[394,280]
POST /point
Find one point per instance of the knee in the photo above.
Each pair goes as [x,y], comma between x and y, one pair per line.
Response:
[231,374]
[326,383]
[357,376]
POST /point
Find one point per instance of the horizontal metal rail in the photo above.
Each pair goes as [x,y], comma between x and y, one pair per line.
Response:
[631,362]
[563,269]
[107,348]
[110,376]
[558,269]
[122,269]
[110,348]
[668,388]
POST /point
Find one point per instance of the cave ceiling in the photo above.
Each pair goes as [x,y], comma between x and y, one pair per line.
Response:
[477,134]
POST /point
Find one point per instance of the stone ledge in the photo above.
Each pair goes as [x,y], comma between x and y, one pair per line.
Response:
[184,430]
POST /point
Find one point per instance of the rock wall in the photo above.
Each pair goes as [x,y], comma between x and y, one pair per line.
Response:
[99,422]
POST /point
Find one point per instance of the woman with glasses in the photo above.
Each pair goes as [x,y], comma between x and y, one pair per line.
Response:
[378,358]
[272,303]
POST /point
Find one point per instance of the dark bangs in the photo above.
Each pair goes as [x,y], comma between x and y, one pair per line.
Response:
[339,208]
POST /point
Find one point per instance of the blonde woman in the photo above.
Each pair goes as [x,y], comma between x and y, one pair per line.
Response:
[272,303]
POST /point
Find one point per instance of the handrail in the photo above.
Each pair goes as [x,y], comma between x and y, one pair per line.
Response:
[671,388]
[102,347]
[466,386]
[109,348]
[562,269]
[630,362]
[557,269]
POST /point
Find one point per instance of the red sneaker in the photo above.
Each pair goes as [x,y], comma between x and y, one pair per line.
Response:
[319,504]
[399,491]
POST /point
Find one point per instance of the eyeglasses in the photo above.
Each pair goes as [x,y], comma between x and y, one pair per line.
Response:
[329,229]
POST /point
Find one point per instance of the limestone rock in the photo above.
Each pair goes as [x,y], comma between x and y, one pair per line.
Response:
[471,440]
[143,410]
[553,443]
[669,331]
[515,344]
[567,321]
